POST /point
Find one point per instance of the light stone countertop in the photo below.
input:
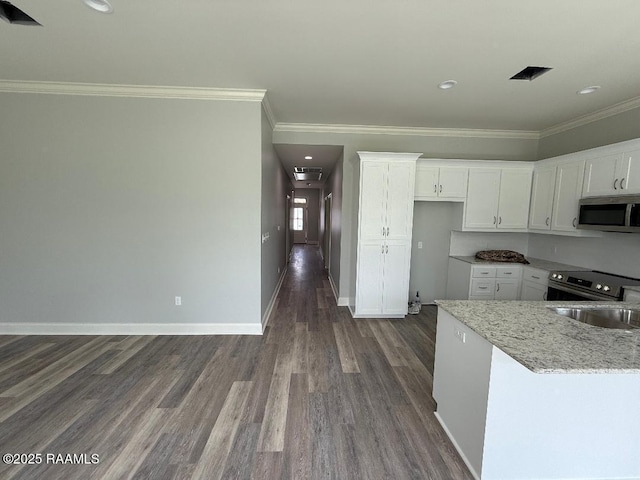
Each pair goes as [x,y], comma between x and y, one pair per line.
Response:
[546,342]
[533,262]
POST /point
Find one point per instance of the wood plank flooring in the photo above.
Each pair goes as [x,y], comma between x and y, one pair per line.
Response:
[320,395]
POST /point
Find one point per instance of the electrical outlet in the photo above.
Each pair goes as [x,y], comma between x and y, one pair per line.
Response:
[178,301]
[419,244]
[460,335]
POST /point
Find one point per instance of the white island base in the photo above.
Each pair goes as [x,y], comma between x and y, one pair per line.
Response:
[508,422]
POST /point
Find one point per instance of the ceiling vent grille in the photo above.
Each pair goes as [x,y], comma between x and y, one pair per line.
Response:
[307,173]
[14,15]
[530,73]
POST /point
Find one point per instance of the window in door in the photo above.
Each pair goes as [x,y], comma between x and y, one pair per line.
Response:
[298,213]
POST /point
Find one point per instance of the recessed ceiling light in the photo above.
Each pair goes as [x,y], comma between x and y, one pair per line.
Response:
[308,157]
[102,6]
[587,90]
[447,85]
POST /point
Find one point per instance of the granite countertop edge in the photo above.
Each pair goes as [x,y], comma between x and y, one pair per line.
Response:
[533,262]
[545,342]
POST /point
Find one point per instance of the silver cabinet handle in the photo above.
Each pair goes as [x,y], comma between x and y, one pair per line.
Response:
[440,188]
[387,249]
[383,230]
[621,184]
[494,219]
[484,273]
[482,288]
[546,222]
[615,183]
[533,276]
[387,231]
[383,249]
[497,287]
[544,296]
[574,222]
[500,220]
[508,273]
[435,188]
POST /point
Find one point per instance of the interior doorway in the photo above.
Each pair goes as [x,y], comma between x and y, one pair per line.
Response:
[326,247]
[300,216]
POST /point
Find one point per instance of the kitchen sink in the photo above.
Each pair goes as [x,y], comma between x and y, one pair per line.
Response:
[609,317]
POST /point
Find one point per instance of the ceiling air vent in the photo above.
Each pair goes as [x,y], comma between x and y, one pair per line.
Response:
[14,15]
[530,73]
[307,173]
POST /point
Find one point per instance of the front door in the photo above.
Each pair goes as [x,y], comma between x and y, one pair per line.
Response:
[299,216]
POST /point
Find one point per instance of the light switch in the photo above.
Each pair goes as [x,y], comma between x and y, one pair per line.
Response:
[419,244]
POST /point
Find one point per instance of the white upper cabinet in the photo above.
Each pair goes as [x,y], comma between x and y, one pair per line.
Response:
[441,183]
[483,194]
[544,179]
[513,206]
[498,199]
[567,196]
[614,174]
[555,195]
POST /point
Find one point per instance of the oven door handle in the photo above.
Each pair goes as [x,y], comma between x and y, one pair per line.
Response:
[575,291]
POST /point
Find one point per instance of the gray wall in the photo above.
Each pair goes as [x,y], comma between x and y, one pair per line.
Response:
[439,147]
[110,207]
[275,187]
[617,128]
[432,223]
[333,186]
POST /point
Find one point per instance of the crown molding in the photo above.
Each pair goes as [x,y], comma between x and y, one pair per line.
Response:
[592,117]
[268,111]
[144,91]
[414,131]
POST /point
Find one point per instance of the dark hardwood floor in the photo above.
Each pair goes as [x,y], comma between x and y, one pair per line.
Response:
[320,395]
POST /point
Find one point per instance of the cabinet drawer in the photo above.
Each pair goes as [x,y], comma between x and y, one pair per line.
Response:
[483,272]
[509,272]
[482,287]
[536,276]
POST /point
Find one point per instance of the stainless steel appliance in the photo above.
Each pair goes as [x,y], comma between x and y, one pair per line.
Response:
[587,285]
[610,214]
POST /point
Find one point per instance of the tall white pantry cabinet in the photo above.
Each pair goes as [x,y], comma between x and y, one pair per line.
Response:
[385,223]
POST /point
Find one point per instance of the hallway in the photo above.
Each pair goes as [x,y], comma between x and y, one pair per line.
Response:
[320,395]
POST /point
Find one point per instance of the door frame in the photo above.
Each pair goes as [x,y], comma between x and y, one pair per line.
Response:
[326,247]
[305,220]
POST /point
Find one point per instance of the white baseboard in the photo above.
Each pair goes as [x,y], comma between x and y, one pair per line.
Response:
[267,313]
[130,329]
[341,301]
[457,447]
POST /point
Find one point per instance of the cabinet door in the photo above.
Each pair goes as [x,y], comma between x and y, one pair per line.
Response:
[565,203]
[515,192]
[544,179]
[399,215]
[481,207]
[426,182]
[453,182]
[507,289]
[533,291]
[629,172]
[373,199]
[600,176]
[369,278]
[395,294]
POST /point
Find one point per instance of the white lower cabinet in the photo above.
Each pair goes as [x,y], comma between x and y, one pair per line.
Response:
[534,284]
[483,282]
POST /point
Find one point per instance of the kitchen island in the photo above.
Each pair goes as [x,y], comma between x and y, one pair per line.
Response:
[525,393]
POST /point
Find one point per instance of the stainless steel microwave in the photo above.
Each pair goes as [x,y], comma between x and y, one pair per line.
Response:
[610,214]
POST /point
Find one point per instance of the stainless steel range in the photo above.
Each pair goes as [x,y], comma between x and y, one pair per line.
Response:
[587,285]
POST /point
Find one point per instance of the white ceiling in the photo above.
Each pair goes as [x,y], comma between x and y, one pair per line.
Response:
[355,62]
